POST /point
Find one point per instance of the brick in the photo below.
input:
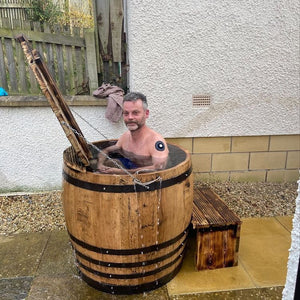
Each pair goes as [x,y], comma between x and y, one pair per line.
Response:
[248,176]
[284,142]
[283,176]
[212,145]
[267,160]
[250,143]
[230,162]
[293,160]
[201,162]
[185,143]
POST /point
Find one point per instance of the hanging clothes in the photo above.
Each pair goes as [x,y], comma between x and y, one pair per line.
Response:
[115,100]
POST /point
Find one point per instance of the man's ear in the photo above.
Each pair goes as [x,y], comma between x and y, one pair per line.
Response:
[147,113]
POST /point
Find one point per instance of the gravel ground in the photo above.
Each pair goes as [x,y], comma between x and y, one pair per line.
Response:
[43,211]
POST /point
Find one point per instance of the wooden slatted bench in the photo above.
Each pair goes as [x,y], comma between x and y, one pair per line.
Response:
[218,231]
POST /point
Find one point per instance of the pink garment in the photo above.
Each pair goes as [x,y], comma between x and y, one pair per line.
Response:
[115,100]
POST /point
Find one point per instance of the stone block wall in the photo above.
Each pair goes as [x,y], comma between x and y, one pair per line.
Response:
[274,158]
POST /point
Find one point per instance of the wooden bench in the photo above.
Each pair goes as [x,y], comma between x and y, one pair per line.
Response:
[218,231]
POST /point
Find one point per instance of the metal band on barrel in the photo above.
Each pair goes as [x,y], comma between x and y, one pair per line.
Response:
[130,265]
[131,289]
[128,251]
[126,188]
[132,275]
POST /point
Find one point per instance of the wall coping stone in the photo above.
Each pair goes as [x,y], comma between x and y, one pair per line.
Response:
[41,101]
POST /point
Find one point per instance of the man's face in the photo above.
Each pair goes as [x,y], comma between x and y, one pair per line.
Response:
[134,114]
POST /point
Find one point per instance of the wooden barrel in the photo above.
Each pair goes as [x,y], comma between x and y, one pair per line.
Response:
[129,238]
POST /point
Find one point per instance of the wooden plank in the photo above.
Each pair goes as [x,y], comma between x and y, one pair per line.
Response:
[102,11]
[213,217]
[58,105]
[3,81]
[60,68]
[199,219]
[58,49]
[79,68]
[16,23]
[70,70]
[23,85]
[229,216]
[49,53]
[62,39]
[91,60]
[116,24]
[11,65]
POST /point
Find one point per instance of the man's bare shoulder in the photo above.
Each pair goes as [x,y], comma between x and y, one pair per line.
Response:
[157,142]
[124,137]
[155,136]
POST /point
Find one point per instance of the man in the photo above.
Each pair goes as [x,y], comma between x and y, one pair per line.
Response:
[142,148]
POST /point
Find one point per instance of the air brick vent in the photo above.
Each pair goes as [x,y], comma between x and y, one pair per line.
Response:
[201,100]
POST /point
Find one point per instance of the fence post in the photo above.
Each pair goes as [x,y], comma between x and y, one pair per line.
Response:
[91,59]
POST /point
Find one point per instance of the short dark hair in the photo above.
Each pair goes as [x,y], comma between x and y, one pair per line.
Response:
[134,96]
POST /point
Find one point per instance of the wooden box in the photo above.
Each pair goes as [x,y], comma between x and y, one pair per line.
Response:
[218,231]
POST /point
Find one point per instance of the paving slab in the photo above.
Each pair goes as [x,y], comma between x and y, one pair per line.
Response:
[273,293]
[58,257]
[15,288]
[286,222]
[264,251]
[20,254]
[38,266]
[189,280]
[262,265]
[72,287]
[57,276]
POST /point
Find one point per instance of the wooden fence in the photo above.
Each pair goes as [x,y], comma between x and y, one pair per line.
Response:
[79,62]
[70,56]
[14,10]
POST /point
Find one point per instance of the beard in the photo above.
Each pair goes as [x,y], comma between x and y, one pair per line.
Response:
[132,126]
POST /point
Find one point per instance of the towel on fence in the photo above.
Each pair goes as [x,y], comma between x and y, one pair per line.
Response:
[115,99]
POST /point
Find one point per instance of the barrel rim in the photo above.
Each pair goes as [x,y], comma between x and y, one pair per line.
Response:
[124,179]
[126,188]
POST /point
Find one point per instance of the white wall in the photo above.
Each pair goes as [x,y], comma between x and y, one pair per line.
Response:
[245,54]
[32,145]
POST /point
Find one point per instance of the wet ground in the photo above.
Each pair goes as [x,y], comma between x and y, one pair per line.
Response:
[41,265]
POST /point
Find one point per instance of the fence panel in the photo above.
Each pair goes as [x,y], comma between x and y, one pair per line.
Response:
[14,10]
[63,51]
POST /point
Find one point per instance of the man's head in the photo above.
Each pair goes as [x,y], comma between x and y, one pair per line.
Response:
[135,111]
[134,96]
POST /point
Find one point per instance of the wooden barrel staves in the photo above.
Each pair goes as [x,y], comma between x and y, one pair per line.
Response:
[129,238]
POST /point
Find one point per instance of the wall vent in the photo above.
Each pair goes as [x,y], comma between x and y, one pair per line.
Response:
[201,100]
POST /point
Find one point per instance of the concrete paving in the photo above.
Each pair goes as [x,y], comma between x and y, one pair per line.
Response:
[38,266]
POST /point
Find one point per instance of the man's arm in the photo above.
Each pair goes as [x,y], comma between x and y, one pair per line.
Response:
[102,156]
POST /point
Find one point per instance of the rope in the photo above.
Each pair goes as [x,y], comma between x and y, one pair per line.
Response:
[98,131]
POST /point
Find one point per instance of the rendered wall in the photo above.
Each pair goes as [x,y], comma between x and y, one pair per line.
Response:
[244,54]
[32,144]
